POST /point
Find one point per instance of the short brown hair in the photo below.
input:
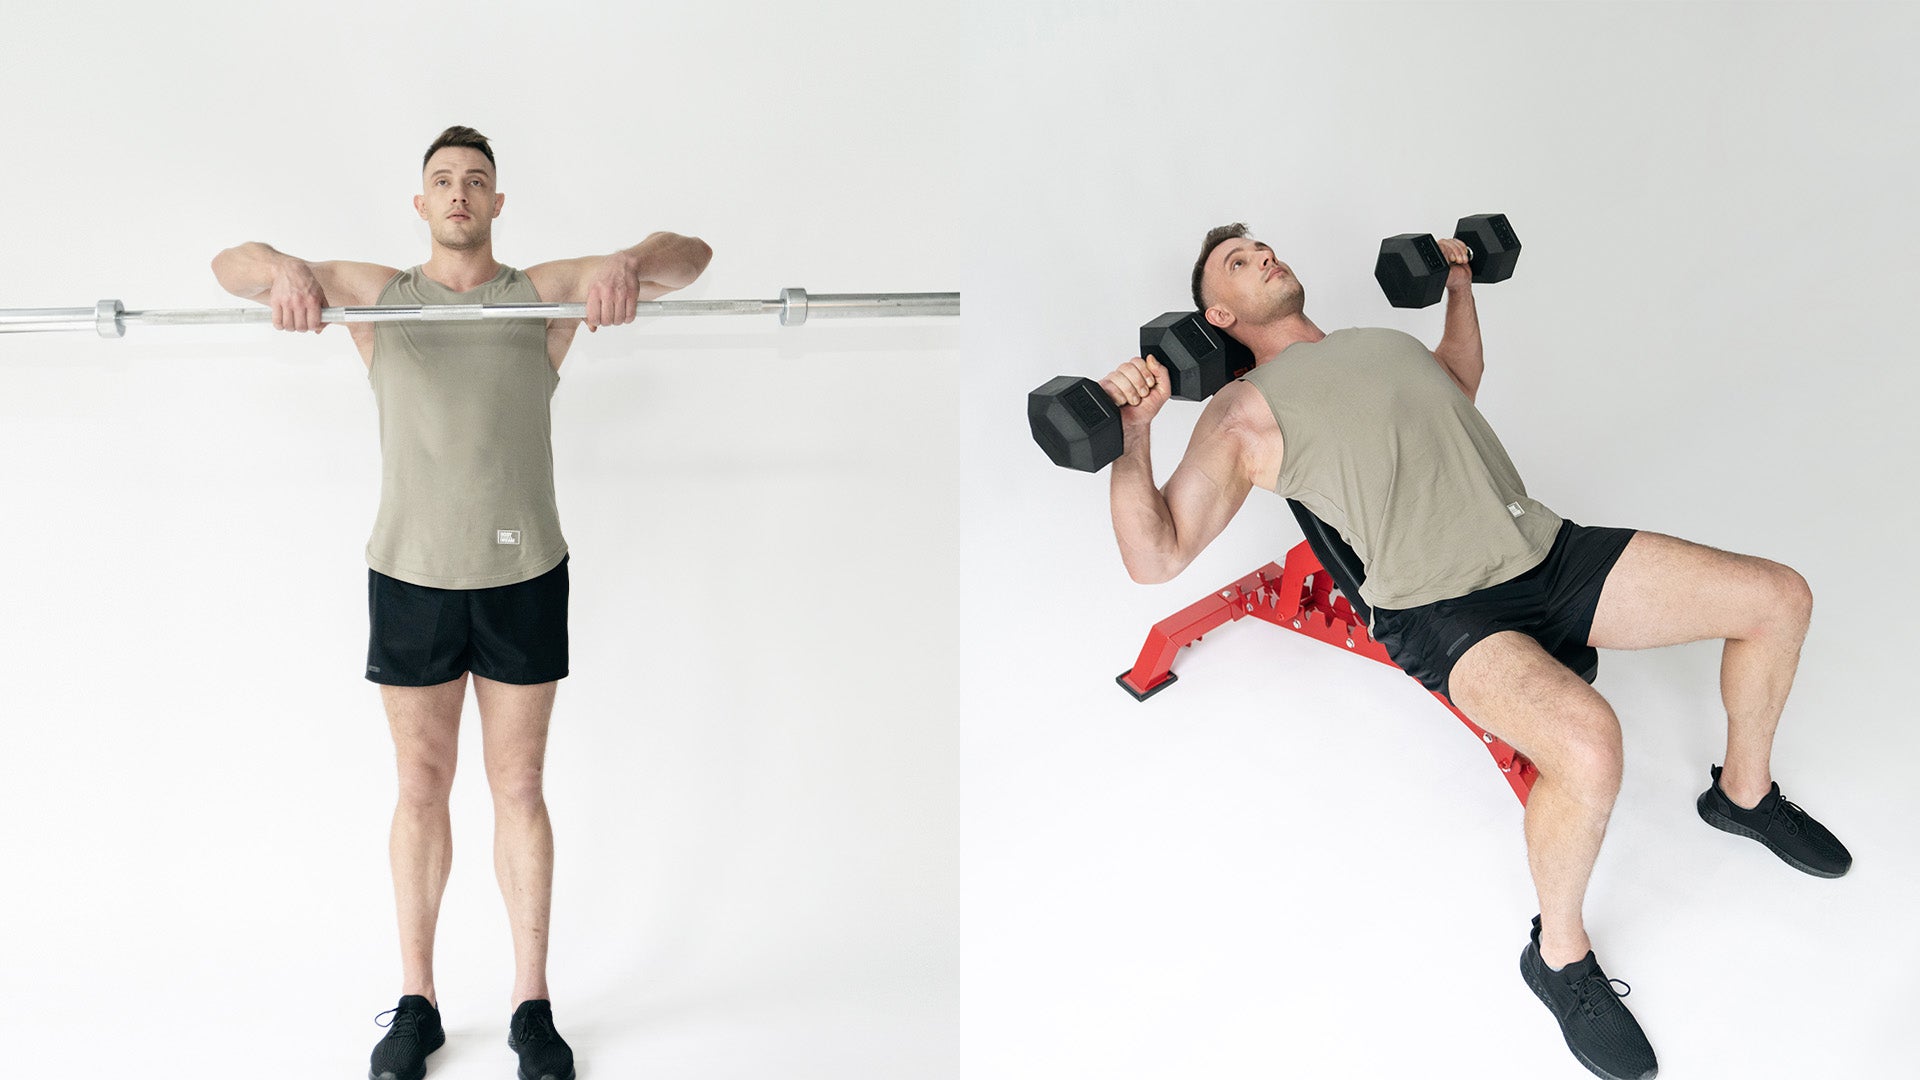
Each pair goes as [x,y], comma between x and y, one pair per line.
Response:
[1216,236]
[459,136]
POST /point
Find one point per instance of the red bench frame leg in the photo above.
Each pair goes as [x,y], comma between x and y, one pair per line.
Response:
[1298,596]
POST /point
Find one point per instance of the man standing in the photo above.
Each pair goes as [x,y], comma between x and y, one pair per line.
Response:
[1473,584]
[467,564]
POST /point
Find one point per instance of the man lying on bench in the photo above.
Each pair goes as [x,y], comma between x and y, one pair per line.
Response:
[1473,585]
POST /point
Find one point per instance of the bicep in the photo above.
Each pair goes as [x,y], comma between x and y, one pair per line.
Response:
[1459,356]
[1207,489]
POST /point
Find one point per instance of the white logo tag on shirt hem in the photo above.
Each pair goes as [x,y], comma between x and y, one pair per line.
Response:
[1512,508]
[506,536]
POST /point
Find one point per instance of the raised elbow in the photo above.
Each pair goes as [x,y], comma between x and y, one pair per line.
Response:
[699,254]
[229,269]
[678,259]
[219,266]
[1152,570]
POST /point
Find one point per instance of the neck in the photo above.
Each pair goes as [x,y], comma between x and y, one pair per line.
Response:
[462,269]
[1270,340]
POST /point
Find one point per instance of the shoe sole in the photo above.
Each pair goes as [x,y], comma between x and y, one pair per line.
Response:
[1727,825]
[1539,991]
[437,1044]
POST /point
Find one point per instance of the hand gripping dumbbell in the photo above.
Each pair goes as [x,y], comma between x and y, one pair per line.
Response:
[1413,273]
[1075,420]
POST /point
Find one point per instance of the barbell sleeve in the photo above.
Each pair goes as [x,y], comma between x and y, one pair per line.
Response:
[110,318]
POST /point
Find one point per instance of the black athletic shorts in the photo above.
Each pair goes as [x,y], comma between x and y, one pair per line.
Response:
[1553,603]
[423,636]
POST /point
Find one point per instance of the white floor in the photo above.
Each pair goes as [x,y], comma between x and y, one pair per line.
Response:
[1293,862]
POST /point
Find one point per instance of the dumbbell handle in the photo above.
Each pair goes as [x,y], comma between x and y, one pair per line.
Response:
[1427,246]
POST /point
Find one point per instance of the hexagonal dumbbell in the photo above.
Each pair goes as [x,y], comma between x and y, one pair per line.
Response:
[1200,355]
[1076,422]
[1413,273]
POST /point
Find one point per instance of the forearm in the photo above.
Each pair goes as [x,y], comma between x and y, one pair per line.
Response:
[1142,521]
[1459,348]
[247,270]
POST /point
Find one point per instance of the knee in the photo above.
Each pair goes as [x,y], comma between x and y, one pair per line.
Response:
[522,787]
[1795,597]
[1784,607]
[425,783]
[1591,758]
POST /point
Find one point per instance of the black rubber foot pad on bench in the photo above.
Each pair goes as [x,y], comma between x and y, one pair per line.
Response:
[1156,688]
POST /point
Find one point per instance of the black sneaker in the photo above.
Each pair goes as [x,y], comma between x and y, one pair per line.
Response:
[1599,1030]
[412,1034]
[1784,828]
[544,1055]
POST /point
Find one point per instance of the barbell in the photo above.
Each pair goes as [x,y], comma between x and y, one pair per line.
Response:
[109,318]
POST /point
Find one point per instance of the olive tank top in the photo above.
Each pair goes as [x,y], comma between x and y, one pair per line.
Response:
[1381,444]
[466,450]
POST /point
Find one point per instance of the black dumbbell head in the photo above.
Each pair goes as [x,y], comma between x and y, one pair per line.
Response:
[1411,270]
[1495,247]
[1076,423]
[1201,356]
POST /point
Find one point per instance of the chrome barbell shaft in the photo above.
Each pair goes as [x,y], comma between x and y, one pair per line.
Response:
[109,318]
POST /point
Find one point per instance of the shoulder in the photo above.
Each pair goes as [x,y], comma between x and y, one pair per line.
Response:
[554,281]
[512,280]
[1238,412]
[355,284]
[1377,337]
[1240,395]
[1237,431]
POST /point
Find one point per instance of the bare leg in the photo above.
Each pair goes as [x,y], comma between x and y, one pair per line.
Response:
[513,724]
[425,721]
[1664,591]
[1508,685]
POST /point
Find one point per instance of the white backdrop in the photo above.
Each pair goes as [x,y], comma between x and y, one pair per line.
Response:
[1294,863]
[751,774]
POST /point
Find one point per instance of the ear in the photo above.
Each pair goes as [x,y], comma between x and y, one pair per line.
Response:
[420,206]
[499,200]
[1220,316]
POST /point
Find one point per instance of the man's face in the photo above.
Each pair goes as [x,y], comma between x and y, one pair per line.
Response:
[1244,278]
[458,202]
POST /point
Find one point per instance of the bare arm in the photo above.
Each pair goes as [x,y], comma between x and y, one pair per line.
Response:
[294,288]
[1459,348]
[1161,531]
[610,285]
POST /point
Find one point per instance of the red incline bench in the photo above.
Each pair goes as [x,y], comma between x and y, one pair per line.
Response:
[1316,593]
